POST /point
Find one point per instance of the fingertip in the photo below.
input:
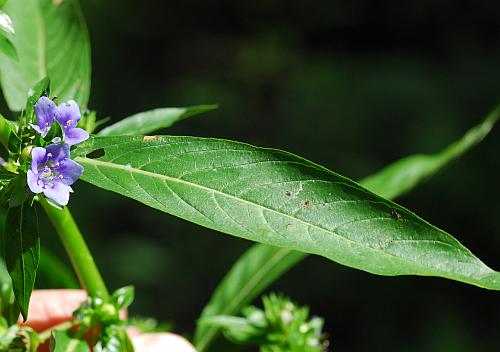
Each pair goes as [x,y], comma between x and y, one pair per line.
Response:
[161,342]
[51,307]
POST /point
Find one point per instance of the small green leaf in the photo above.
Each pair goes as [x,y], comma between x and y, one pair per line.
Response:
[51,40]
[149,121]
[123,297]
[6,23]
[7,48]
[22,252]
[61,341]
[8,337]
[280,199]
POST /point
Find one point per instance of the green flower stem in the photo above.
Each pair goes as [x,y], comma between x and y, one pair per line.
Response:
[77,249]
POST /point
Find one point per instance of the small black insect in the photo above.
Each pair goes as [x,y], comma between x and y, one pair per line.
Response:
[288,193]
[395,215]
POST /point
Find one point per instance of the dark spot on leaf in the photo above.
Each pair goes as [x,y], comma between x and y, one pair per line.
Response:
[306,203]
[288,193]
[95,154]
[395,215]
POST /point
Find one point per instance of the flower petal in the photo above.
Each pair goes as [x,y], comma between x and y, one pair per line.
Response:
[45,110]
[58,192]
[74,136]
[68,114]
[58,152]
[33,182]
[37,156]
[70,171]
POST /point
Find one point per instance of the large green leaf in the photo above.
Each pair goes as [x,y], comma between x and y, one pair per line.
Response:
[227,297]
[22,252]
[149,121]
[51,40]
[277,198]
[401,176]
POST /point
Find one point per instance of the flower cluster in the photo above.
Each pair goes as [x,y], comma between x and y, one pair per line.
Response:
[52,172]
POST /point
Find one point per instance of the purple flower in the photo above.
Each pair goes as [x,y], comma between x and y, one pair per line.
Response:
[68,115]
[52,172]
[45,110]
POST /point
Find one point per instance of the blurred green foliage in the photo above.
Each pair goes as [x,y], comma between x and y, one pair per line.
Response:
[351,85]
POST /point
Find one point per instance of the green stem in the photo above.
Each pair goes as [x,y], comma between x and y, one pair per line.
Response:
[77,249]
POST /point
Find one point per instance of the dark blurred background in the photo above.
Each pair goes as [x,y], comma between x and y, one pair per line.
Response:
[352,85]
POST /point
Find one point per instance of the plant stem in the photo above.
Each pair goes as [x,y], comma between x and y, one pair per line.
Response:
[77,249]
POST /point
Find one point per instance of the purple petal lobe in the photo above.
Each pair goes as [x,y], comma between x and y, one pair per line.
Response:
[58,152]
[68,114]
[74,136]
[45,110]
[33,182]
[70,171]
[58,192]
[37,157]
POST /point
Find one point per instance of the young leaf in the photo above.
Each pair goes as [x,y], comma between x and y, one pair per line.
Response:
[60,341]
[236,280]
[277,198]
[123,297]
[403,175]
[255,270]
[149,121]
[22,252]
[51,40]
